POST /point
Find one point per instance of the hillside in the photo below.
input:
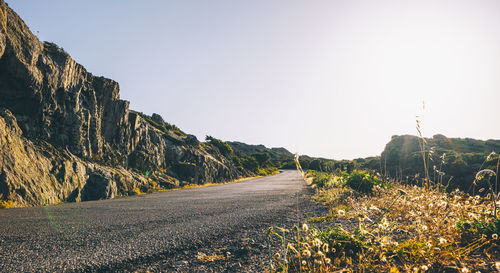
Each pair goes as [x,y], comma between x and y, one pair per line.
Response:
[67,136]
[453,160]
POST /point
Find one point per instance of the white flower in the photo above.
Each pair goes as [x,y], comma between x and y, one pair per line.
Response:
[306,253]
[317,242]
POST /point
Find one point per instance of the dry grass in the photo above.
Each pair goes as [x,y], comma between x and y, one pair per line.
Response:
[210,258]
[396,229]
[5,204]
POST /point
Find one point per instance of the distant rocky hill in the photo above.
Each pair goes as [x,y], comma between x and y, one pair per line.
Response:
[248,149]
[451,161]
[67,136]
[463,157]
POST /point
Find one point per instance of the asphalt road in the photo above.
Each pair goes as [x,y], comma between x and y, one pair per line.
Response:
[130,233]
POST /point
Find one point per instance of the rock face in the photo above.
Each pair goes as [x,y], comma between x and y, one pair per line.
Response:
[67,136]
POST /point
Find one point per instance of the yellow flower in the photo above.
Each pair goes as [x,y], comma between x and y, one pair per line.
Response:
[494,236]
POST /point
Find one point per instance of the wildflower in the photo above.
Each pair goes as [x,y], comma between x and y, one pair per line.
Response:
[327,261]
[320,254]
[424,227]
[306,253]
[424,268]
[305,227]
[341,212]
[464,270]
[317,242]
[494,236]
[442,241]
[277,255]
[304,262]
[429,244]
[319,262]
[325,248]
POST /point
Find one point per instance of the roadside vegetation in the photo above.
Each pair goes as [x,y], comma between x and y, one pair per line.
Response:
[379,223]
[373,226]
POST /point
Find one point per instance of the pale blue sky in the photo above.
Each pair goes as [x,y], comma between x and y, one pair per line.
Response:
[325,78]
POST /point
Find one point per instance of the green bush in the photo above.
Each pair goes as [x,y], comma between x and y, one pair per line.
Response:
[325,180]
[362,181]
[479,227]
[223,147]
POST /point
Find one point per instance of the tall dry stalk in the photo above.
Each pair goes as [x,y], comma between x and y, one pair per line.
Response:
[422,142]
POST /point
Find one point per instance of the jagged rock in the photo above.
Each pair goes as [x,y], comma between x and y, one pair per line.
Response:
[37,174]
[74,139]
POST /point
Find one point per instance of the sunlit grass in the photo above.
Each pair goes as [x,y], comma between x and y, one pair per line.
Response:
[400,228]
[5,204]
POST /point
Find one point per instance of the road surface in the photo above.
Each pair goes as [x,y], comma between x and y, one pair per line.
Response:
[156,232]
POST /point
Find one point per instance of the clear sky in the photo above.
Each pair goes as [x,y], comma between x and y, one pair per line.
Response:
[325,78]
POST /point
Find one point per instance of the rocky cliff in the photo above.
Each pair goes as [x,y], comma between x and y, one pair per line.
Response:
[67,136]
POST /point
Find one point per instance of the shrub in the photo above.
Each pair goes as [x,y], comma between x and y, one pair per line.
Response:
[362,181]
[325,180]
[223,147]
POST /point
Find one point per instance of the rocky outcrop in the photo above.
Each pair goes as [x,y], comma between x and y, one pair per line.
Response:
[74,139]
[37,173]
